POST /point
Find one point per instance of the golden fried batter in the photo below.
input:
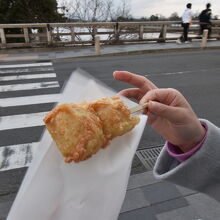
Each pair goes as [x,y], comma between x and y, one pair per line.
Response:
[80,130]
[115,116]
[76,130]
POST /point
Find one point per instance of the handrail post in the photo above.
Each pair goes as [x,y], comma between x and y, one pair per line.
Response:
[72,29]
[117,32]
[97,45]
[49,37]
[94,32]
[204,38]
[141,32]
[3,38]
[26,36]
[163,33]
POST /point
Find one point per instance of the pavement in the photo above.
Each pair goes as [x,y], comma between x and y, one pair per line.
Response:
[146,197]
[107,50]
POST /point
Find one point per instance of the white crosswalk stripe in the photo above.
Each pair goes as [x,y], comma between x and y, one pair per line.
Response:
[20,155]
[17,156]
[26,70]
[29,100]
[25,65]
[22,121]
[29,86]
[32,76]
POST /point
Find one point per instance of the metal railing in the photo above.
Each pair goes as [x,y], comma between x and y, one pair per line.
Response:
[63,34]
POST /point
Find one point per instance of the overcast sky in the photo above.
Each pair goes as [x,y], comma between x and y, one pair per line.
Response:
[146,8]
[167,7]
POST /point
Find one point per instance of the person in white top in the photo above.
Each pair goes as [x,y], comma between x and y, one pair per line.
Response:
[186,21]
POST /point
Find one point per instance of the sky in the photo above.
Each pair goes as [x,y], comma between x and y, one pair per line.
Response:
[146,8]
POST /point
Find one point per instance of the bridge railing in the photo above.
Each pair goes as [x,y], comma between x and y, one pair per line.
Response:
[63,34]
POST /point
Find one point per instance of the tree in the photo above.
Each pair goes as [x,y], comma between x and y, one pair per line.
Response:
[174,17]
[29,11]
[95,10]
[154,17]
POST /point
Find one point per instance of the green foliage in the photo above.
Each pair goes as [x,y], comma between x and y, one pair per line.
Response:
[29,11]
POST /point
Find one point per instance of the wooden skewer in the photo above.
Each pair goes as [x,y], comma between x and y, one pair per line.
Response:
[138,108]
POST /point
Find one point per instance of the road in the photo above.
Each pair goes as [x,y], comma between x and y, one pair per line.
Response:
[26,87]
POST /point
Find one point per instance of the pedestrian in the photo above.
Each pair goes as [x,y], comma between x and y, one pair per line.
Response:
[191,154]
[186,21]
[205,20]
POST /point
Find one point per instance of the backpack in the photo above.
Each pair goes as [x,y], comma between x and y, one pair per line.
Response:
[205,15]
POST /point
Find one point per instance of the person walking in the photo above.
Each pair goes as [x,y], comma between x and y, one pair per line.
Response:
[205,20]
[186,21]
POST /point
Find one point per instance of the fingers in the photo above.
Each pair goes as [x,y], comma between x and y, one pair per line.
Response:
[133,93]
[169,97]
[168,104]
[136,80]
[173,114]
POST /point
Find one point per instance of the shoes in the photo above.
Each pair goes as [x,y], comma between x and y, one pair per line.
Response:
[178,41]
[186,42]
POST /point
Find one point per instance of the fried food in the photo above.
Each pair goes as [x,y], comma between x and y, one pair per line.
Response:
[80,130]
[115,116]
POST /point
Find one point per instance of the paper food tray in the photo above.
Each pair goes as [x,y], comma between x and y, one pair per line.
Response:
[90,190]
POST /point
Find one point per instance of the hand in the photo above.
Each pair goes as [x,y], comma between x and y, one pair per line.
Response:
[168,111]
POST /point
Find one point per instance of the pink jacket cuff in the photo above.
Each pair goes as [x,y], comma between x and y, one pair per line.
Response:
[176,152]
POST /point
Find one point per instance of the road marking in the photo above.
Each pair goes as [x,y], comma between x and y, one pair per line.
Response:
[31,76]
[22,121]
[167,74]
[17,156]
[182,72]
[25,65]
[21,155]
[29,100]
[26,70]
[29,86]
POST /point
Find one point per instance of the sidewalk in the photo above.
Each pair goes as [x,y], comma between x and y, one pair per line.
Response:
[107,50]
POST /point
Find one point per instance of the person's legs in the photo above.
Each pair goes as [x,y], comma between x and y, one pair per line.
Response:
[185,31]
[210,30]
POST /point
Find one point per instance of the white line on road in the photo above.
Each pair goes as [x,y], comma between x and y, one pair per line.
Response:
[29,86]
[22,121]
[167,74]
[25,65]
[17,156]
[31,76]
[182,72]
[29,100]
[26,70]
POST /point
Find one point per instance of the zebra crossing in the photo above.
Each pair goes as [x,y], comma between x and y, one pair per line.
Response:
[27,92]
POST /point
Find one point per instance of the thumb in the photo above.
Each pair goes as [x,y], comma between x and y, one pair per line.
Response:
[161,110]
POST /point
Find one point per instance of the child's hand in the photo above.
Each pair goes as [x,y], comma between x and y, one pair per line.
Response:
[168,111]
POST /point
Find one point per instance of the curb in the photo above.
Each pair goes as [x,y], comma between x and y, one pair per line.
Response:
[123,53]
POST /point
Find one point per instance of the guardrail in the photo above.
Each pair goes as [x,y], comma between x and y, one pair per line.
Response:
[62,34]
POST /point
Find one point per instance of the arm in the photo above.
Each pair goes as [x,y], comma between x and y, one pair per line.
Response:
[200,172]
[172,117]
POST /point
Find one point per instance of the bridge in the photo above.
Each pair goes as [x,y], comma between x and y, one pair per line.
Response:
[75,34]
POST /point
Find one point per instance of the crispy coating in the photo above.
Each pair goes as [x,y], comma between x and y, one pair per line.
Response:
[115,116]
[76,130]
[80,130]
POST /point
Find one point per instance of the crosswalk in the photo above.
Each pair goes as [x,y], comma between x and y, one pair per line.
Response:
[27,93]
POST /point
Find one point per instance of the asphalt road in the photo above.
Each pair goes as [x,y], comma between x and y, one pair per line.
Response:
[195,74]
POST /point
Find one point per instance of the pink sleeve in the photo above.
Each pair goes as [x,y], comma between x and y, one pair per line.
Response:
[177,153]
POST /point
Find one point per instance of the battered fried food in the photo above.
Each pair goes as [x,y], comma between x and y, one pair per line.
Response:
[80,130]
[115,116]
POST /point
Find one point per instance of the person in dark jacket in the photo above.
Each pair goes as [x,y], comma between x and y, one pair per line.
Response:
[205,20]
